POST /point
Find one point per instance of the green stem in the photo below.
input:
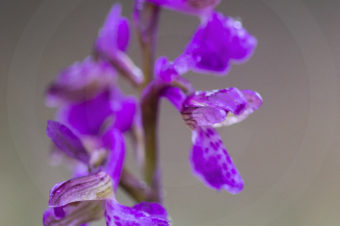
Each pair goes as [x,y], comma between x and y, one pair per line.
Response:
[152,172]
[147,26]
[137,190]
[147,31]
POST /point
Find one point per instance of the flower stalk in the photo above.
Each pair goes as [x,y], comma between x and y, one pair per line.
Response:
[135,188]
[147,28]
[146,21]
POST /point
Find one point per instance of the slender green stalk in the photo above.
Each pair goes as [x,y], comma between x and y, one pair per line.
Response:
[137,190]
[152,171]
[147,28]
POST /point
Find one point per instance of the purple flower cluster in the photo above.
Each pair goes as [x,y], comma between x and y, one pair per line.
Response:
[93,116]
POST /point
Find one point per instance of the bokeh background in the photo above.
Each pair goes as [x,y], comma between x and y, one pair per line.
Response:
[288,151]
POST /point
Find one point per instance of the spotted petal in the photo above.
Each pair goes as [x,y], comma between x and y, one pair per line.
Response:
[207,108]
[139,215]
[211,162]
[153,209]
[67,141]
[254,101]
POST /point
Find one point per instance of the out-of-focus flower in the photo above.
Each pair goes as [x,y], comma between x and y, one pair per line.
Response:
[67,142]
[217,43]
[115,33]
[86,198]
[204,110]
[112,42]
[197,7]
[80,81]
[92,116]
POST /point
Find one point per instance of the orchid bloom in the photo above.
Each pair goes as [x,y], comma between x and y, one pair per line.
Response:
[218,42]
[89,197]
[94,115]
[204,110]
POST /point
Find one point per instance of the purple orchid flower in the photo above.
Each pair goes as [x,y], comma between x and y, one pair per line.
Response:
[86,198]
[204,110]
[217,43]
[93,116]
[197,7]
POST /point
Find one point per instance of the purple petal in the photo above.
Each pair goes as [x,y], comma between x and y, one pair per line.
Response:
[209,108]
[229,99]
[164,70]
[203,116]
[114,141]
[76,213]
[114,35]
[80,81]
[125,113]
[153,209]
[67,141]
[254,101]
[80,170]
[197,7]
[211,162]
[87,117]
[175,96]
[123,36]
[218,41]
[117,214]
[96,186]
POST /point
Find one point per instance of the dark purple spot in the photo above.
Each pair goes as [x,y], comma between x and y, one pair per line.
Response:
[224,165]
[108,218]
[118,223]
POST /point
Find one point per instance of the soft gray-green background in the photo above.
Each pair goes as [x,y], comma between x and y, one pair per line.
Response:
[288,152]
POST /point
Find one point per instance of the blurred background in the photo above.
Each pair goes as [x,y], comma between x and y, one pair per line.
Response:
[287,152]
